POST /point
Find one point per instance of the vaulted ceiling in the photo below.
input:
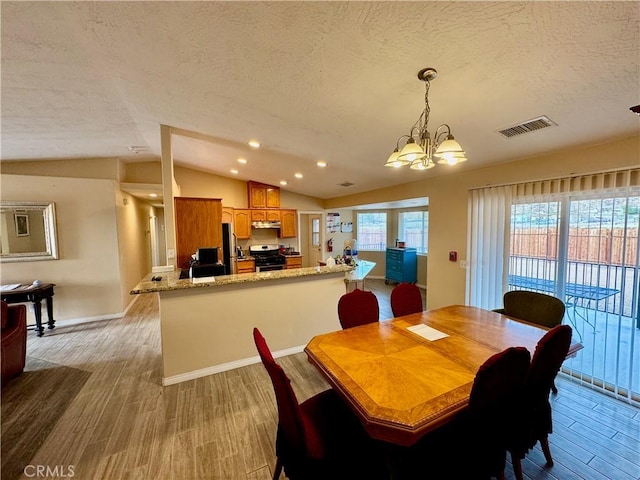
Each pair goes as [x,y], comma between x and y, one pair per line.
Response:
[331,81]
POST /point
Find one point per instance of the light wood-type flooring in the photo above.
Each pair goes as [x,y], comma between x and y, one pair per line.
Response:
[90,404]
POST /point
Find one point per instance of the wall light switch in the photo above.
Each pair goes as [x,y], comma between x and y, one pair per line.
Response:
[463,264]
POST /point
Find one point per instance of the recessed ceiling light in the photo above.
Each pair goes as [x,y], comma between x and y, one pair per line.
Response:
[254,144]
[284,182]
[298,175]
[321,164]
[234,171]
[153,195]
[242,160]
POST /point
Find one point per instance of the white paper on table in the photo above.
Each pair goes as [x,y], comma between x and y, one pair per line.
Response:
[429,333]
[11,286]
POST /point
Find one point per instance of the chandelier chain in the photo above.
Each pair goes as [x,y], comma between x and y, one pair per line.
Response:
[427,109]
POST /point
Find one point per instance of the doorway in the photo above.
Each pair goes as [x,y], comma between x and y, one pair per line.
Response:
[585,251]
[311,238]
[157,237]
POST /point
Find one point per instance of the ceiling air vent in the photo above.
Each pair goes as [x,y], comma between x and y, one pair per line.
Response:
[528,126]
[346,184]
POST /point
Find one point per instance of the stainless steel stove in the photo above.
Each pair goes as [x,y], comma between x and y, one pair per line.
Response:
[267,257]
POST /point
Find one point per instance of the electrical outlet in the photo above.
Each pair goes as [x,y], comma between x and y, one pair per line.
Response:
[463,264]
[171,253]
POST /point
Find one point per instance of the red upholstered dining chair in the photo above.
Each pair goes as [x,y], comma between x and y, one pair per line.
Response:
[406,298]
[14,340]
[474,445]
[489,421]
[358,308]
[319,438]
[535,418]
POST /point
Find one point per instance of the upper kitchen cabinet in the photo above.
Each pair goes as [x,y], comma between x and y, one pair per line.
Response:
[263,196]
[288,223]
[265,215]
[198,224]
[242,224]
[227,215]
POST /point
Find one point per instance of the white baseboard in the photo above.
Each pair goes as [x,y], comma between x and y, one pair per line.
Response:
[203,372]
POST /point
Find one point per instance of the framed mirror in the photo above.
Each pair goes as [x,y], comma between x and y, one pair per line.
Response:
[27,231]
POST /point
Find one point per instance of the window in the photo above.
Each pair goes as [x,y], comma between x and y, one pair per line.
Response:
[413,230]
[372,231]
[583,249]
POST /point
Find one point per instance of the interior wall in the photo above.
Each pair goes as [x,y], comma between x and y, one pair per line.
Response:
[102,168]
[448,197]
[143,172]
[339,237]
[133,240]
[87,274]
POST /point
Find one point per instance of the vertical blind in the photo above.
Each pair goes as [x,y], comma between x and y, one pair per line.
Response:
[488,226]
[579,232]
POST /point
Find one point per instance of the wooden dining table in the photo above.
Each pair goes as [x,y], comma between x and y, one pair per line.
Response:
[402,385]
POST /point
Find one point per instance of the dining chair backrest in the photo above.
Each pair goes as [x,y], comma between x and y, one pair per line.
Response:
[535,417]
[493,406]
[406,298]
[547,359]
[290,422]
[357,308]
[499,378]
[534,307]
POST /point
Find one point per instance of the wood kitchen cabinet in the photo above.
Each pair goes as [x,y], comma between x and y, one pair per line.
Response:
[288,223]
[293,262]
[242,224]
[227,215]
[265,215]
[262,195]
[245,266]
[198,224]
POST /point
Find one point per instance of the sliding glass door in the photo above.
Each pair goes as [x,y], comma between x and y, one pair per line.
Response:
[585,250]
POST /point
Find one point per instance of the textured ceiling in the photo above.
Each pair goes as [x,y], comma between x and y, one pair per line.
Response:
[334,81]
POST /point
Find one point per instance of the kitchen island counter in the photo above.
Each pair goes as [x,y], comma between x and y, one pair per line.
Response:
[207,327]
[171,280]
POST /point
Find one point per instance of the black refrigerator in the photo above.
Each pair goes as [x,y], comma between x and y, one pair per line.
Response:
[226,248]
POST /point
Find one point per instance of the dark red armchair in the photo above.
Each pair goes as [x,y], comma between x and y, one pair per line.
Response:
[14,340]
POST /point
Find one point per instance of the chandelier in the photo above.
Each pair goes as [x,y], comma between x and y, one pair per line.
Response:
[420,151]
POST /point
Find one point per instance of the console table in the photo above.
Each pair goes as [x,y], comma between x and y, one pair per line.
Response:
[34,294]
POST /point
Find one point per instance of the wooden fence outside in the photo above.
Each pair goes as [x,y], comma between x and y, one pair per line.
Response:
[605,246]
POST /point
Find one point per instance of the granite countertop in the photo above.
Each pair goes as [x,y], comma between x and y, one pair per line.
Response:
[171,281]
[363,268]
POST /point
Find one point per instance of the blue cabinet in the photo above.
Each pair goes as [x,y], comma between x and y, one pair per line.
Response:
[402,265]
